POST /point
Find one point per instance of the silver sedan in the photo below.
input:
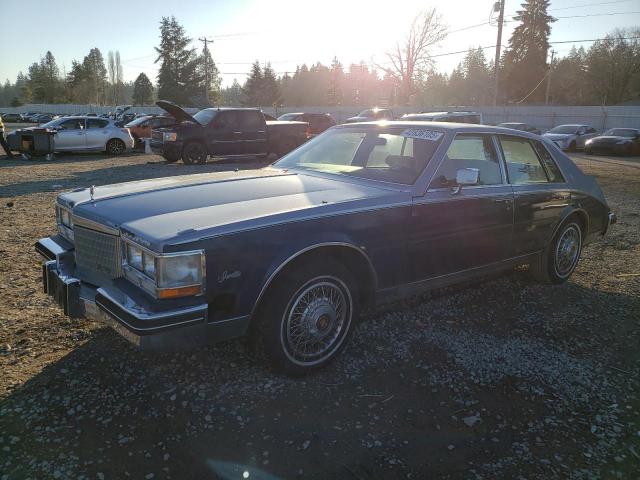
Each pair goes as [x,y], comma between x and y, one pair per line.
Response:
[82,133]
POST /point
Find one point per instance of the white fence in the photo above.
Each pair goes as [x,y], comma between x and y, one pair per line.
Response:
[543,117]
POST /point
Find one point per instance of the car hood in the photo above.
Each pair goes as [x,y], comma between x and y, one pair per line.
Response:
[178,210]
[175,111]
[558,136]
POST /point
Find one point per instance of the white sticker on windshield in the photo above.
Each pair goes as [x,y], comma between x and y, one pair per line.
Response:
[422,134]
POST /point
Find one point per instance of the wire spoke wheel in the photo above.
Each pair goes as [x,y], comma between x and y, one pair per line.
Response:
[568,250]
[115,147]
[316,321]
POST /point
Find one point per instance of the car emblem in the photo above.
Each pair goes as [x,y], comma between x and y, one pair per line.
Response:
[226,275]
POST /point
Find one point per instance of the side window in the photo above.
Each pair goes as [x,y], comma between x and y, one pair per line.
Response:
[469,151]
[591,130]
[96,123]
[250,120]
[523,165]
[227,120]
[553,171]
[73,124]
[582,131]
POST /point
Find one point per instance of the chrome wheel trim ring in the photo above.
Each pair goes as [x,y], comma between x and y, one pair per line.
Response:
[316,321]
[567,251]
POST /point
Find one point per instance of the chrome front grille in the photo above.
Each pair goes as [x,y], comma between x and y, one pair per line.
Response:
[98,255]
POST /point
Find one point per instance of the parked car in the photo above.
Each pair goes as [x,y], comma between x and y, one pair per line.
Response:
[525,127]
[141,127]
[12,118]
[74,134]
[617,141]
[318,122]
[571,137]
[45,118]
[372,114]
[290,254]
[223,132]
[455,117]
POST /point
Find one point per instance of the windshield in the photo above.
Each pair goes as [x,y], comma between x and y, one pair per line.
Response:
[366,113]
[289,116]
[203,117]
[565,129]
[394,154]
[621,132]
[137,121]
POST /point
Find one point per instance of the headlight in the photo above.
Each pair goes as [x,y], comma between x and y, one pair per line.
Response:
[165,276]
[588,142]
[134,257]
[65,222]
[169,136]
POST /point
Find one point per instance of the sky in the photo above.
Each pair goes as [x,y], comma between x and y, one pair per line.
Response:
[285,32]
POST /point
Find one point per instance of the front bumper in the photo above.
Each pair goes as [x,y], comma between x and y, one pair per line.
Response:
[177,327]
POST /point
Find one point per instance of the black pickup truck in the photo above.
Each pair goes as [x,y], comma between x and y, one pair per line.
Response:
[223,132]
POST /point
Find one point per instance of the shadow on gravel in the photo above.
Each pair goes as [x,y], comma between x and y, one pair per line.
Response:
[503,378]
[124,173]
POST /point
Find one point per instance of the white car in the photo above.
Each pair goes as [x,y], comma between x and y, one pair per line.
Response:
[571,137]
[83,133]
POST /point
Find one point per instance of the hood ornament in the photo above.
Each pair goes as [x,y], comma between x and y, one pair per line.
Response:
[92,189]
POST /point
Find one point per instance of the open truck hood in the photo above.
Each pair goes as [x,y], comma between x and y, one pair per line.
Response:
[176,112]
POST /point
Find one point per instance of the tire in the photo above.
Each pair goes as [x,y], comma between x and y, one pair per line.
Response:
[558,261]
[317,302]
[115,146]
[194,152]
[171,158]
[572,147]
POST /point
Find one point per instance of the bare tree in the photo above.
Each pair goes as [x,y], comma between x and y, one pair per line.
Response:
[412,57]
[119,79]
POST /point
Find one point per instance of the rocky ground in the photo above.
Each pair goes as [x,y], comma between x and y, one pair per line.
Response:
[504,378]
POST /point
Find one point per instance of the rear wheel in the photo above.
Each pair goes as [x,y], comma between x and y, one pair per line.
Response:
[171,158]
[115,146]
[194,153]
[306,317]
[560,258]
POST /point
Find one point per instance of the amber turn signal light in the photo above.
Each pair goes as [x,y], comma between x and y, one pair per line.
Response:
[179,292]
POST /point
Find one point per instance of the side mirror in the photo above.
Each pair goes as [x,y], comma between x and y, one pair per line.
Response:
[466,177]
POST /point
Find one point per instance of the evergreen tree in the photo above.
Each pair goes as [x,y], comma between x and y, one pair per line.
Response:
[210,77]
[94,77]
[142,90]
[232,96]
[253,86]
[568,86]
[178,79]
[336,81]
[525,61]
[270,92]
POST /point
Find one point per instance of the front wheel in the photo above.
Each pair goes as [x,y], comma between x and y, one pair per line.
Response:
[115,146]
[194,153]
[560,258]
[306,317]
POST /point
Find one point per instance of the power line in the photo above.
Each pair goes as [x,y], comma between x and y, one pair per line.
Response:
[580,16]
[588,5]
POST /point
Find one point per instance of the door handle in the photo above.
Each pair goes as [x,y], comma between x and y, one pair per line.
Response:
[237,133]
[502,200]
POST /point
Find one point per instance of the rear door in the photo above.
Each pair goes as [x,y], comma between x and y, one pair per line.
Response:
[97,133]
[541,193]
[71,135]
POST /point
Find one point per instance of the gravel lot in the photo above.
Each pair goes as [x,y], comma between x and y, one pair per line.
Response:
[501,379]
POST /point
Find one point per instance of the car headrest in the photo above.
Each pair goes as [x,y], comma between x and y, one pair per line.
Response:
[401,162]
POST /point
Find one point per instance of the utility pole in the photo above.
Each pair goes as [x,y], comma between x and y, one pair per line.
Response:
[546,96]
[205,40]
[496,65]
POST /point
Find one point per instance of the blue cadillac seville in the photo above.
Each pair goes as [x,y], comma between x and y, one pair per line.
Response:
[290,254]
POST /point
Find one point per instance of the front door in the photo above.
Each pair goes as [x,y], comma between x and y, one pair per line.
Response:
[452,231]
[70,135]
[225,138]
[253,132]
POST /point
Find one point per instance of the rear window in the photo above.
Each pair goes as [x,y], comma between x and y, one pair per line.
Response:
[549,163]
